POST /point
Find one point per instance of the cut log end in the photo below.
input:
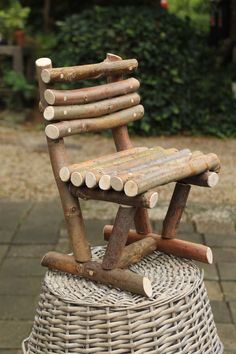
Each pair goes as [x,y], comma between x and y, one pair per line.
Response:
[131,189]
[209,255]
[49,97]
[76,179]
[64,174]
[45,76]
[153,200]
[52,131]
[213,179]
[48,113]
[105,182]
[147,287]
[90,180]
[42,62]
[117,183]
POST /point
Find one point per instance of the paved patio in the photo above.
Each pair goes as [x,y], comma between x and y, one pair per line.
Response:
[28,230]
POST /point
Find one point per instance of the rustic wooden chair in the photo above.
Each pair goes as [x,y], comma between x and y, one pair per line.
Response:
[125,177]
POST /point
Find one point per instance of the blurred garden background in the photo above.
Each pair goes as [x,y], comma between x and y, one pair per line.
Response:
[186,51]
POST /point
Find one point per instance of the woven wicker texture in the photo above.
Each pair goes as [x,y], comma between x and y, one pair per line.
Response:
[75,315]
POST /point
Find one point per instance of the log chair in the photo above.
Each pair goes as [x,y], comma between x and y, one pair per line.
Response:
[126,177]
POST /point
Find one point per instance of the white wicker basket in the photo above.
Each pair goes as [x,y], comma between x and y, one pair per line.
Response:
[75,315]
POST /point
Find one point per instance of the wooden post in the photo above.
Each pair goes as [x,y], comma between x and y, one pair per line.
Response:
[176,247]
[175,210]
[119,278]
[71,206]
[116,244]
[122,142]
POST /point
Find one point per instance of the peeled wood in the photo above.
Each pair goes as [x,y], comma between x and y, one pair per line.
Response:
[71,206]
[171,172]
[176,247]
[91,94]
[119,278]
[91,110]
[205,179]
[67,128]
[145,200]
[118,181]
[83,72]
[117,241]
[175,210]
[65,171]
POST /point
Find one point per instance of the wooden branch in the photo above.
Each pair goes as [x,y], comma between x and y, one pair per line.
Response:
[91,94]
[145,200]
[117,241]
[176,247]
[66,171]
[141,225]
[67,128]
[83,72]
[107,170]
[119,278]
[118,181]
[71,206]
[171,172]
[91,110]
[175,210]
[205,179]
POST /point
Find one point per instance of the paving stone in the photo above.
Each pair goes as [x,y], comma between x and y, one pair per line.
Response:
[29,251]
[227,270]
[11,214]
[94,230]
[20,286]
[214,222]
[191,237]
[21,267]
[3,251]
[41,226]
[229,289]
[6,236]
[221,240]
[227,334]
[224,254]
[13,332]
[232,306]
[221,312]
[17,307]
[213,290]
[210,270]
[63,246]
[6,351]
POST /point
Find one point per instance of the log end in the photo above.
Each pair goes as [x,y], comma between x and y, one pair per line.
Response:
[49,97]
[117,183]
[147,287]
[153,200]
[213,179]
[209,255]
[43,62]
[131,188]
[112,57]
[64,174]
[49,113]
[45,76]
[105,182]
[90,180]
[76,179]
[52,131]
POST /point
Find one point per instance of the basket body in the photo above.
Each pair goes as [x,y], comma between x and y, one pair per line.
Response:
[75,315]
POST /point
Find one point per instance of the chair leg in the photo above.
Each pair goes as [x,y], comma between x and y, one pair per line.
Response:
[175,210]
[142,221]
[117,242]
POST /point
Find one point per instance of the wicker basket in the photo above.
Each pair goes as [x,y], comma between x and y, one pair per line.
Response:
[75,315]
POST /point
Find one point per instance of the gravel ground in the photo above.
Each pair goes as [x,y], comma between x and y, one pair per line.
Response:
[26,172]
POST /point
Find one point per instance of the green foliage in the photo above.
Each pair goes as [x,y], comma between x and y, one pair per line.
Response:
[20,91]
[182,90]
[14,17]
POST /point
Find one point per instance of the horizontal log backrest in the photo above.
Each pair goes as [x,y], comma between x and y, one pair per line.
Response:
[97,108]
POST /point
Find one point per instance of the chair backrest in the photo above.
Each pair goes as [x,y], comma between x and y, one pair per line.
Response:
[97,108]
